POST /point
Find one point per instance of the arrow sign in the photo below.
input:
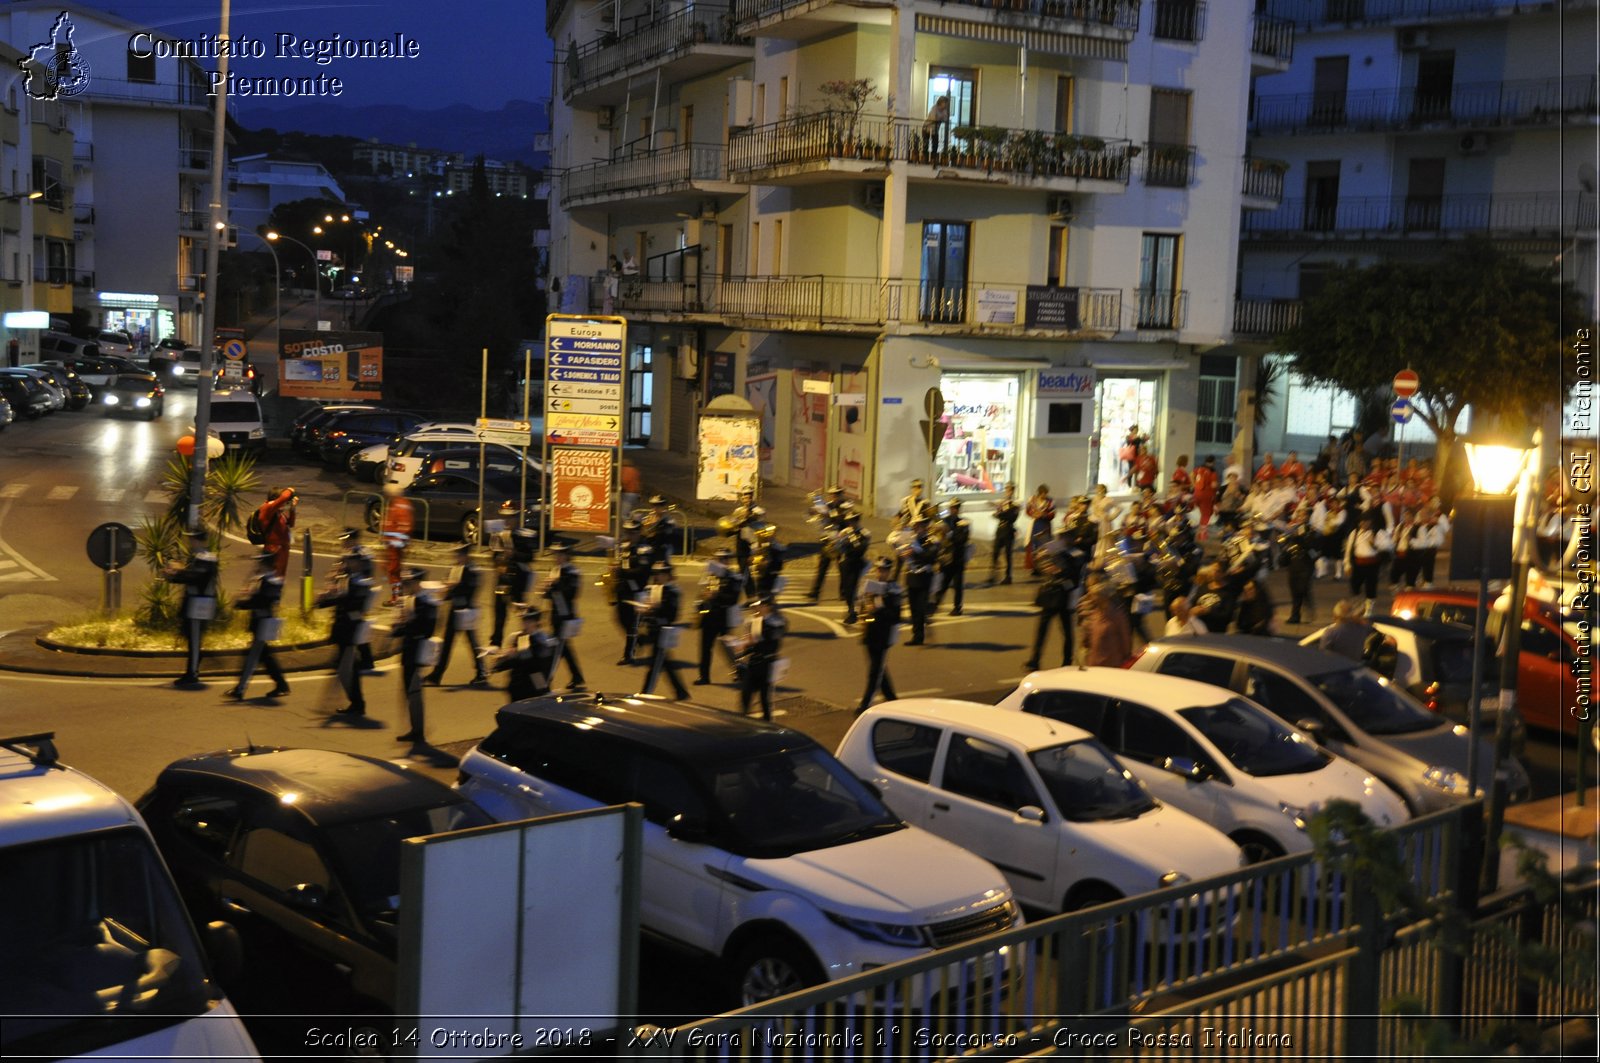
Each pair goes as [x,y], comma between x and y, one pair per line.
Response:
[611,406]
[1401,411]
[565,389]
[580,421]
[1406,382]
[611,359]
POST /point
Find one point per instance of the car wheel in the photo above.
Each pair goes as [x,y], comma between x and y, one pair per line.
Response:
[374,515]
[1088,895]
[469,529]
[772,965]
[353,463]
[1257,847]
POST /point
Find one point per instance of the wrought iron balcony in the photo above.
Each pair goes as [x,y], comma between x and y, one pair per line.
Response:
[1179,20]
[1344,12]
[706,29]
[1265,317]
[1263,182]
[194,159]
[1535,214]
[1160,308]
[1168,165]
[193,221]
[1476,105]
[1272,39]
[657,172]
[1072,16]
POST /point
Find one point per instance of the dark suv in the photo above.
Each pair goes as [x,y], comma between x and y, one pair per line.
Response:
[347,432]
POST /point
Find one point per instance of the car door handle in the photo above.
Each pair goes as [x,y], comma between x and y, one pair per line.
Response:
[940,806]
[525,788]
[234,906]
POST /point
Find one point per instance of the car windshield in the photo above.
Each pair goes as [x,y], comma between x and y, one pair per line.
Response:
[1088,784]
[235,413]
[1373,704]
[793,801]
[1452,662]
[93,928]
[1254,741]
[367,852]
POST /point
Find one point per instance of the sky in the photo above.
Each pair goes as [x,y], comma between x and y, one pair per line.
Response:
[476,52]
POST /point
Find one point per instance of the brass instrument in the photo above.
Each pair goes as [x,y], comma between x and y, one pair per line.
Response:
[648,526]
[727,525]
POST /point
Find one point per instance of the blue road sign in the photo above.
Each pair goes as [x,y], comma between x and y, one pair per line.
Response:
[584,344]
[1401,411]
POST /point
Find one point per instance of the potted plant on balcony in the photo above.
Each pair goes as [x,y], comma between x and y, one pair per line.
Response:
[990,139]
[963,145]
[1029,151]
[849,97]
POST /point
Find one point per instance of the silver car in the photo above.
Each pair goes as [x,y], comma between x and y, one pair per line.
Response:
[1348,708]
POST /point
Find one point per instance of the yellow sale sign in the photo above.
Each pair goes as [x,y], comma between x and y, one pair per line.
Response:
[580,488]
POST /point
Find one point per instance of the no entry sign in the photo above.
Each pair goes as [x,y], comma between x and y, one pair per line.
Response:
[1405,383]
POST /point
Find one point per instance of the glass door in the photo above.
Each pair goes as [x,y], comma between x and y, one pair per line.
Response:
[944,271]
[1124,405]
[641,384]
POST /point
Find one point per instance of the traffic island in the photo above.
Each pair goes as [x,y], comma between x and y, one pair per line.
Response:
[31,652]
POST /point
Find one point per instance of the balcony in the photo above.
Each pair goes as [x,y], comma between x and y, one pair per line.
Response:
[83,214]
[809,147]
[1168,165]
[1263,183]
[1179,20]
[1329,13]
[63,276]
[82,152]
[1548,214]
[1478,105]
[1265,317]
[686,44]
[1271,44]
[1098,29]
[664,171]
[193,222]
[194,160]
[1160,309]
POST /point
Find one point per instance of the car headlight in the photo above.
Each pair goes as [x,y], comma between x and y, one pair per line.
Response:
[258,433]
[112,400]
[1296,813]
[1174,878]
[141,402]
[177,370]
[1447,779]
[900,934]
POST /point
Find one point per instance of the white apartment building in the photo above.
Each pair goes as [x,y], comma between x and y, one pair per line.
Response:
[1050,264]
[259,184]
[1402,124]
[140,168]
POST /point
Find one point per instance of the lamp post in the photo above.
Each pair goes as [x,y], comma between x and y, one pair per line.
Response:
[277,295]
[316,279]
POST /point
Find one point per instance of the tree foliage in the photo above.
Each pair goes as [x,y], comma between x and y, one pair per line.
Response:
[1481,327]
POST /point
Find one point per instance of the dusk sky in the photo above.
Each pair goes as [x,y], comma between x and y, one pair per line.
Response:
[476,52]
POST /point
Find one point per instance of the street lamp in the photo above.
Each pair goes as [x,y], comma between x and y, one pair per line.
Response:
[316,281]
[277,294]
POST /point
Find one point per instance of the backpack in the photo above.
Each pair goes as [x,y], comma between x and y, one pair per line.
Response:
[254,530]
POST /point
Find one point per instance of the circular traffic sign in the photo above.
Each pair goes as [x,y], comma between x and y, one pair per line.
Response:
[111,545]
[1401,411]
[233,350]
[1405,383]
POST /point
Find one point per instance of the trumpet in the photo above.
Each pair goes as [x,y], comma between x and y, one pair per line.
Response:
[648,526]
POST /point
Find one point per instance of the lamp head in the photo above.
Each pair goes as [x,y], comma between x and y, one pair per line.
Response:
[1496,455]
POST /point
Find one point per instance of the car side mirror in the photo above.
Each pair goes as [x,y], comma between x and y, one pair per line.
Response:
[1313,728]
[309,896]
[1031,814]
[1187,767]
[688,829]
[225,948]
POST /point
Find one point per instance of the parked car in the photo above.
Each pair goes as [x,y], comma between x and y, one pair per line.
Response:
[53,344]
[29,393]
[135,391]
[1218,756]
[350,430]
[7,415]
[76,392]
[237,420]
[1348,708]
[1552,659]
[446,504]
[116,341]
[301,428]
[100,958]
[302,848]
[421,450]
[1047,804]
[56,394]
[166,354]
[760,848]
[95,372]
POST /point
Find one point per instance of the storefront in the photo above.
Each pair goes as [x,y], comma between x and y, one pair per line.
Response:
[1125,402]
[137,314]
[977,453]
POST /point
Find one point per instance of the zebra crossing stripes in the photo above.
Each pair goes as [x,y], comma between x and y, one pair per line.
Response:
[10,570]
[67,492]
[60,493]
[13,490]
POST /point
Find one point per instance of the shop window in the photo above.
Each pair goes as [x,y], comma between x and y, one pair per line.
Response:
[1125,402]
[977,453]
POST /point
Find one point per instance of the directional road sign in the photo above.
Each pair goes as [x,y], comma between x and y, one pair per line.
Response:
[1401,411]
[584,365]
[511,433]
[581,391]
[555,404]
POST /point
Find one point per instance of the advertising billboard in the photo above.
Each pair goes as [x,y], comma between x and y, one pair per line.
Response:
[580,489]
[330,365]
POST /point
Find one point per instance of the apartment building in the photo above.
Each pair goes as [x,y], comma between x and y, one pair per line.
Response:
[970,241]
[1403,124]
[259,184]
[144,123]
[500,178]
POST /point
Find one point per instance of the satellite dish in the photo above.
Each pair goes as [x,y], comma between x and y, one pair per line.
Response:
[1586,177]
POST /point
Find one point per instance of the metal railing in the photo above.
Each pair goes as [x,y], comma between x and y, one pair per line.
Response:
[1522,102]
[1272,37]
[1548,213]
[78,278]
[1179,20]
[194,158]
[1265,317]
[646,42]
[1119,15]
[1160,308]
[1168,165]
[188,93]
[1263,178]
[644,172]
[1339,12]
[193,221]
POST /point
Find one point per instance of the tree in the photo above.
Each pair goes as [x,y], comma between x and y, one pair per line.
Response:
[1481,327]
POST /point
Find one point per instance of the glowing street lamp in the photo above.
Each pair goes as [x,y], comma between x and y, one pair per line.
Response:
[316,281]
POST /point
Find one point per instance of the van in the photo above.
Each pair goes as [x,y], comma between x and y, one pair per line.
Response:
[97,955]
[237,420]
[62,347]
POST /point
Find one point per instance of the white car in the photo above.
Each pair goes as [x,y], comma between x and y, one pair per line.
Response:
[1046,803]
[1216,755]
[760,848]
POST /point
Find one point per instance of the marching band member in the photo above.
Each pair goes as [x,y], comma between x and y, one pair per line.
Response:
[762,647]
[854,541]
[721,591]
[955,547]
[461,616]
[561,589]
[348,595]
[919,558]
[661,619]
[529,657]
[630,573]
[1006,512]
[660,529]
[827,515]
[261,598]
[879,606]
[419,617]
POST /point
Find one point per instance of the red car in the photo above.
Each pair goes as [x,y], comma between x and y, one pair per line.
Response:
[1551,658]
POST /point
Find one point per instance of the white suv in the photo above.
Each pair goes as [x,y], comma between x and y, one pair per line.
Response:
[759,847]
[94,933]
[1046,803]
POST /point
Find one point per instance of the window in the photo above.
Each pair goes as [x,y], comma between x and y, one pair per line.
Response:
[1151,738]
[142,68]
[1158,281]
[1055,274]
[1169,164]
[207,823]
[1065,88]
[985,772]
[1178,20]
[1087,711]
[280,861]
[666,791]
[1215,408]
[1201,667]
[1322,196]
[1282,697]
[1329,81]
[944,271]
[47,179]
[8,170]
[777,247]
[755,249]
[1317,410]
[905,748]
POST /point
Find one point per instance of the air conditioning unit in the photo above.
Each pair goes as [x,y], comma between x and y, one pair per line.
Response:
[741,103]
[606,118]
[1473,143]
[1061,208]
[1413,39]
[872,197]
[708,209]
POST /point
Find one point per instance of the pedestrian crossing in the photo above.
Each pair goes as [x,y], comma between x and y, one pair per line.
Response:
[113,495]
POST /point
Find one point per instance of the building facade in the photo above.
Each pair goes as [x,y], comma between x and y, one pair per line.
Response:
[972,242]
[258,184]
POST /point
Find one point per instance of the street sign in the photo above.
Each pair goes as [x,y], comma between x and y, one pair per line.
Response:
[577,437]
[610,407]
[581,391]
[585,360]
[1401,411]
[233,350]
[510,433]
[1405,383]
[111,546]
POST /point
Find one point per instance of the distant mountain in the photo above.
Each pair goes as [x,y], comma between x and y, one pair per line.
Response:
[506,134]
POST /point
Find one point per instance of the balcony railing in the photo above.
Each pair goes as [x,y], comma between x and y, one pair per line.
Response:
[833,135]
[193,221]
[1343,12]
[1160,308]
[189,93]
[1265,317]
[78,278]
[1263,178]
[194,158]
[82,214]
[645,172]
[1168,165]
[1120,15]
[82,151]
[647,43]
[1272,37]
[1179,20]
[1537,101]
[1548,213]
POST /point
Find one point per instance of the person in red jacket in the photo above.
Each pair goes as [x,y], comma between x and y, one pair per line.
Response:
[276,517]
[1146,470]
[396,534]
[1205,491]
